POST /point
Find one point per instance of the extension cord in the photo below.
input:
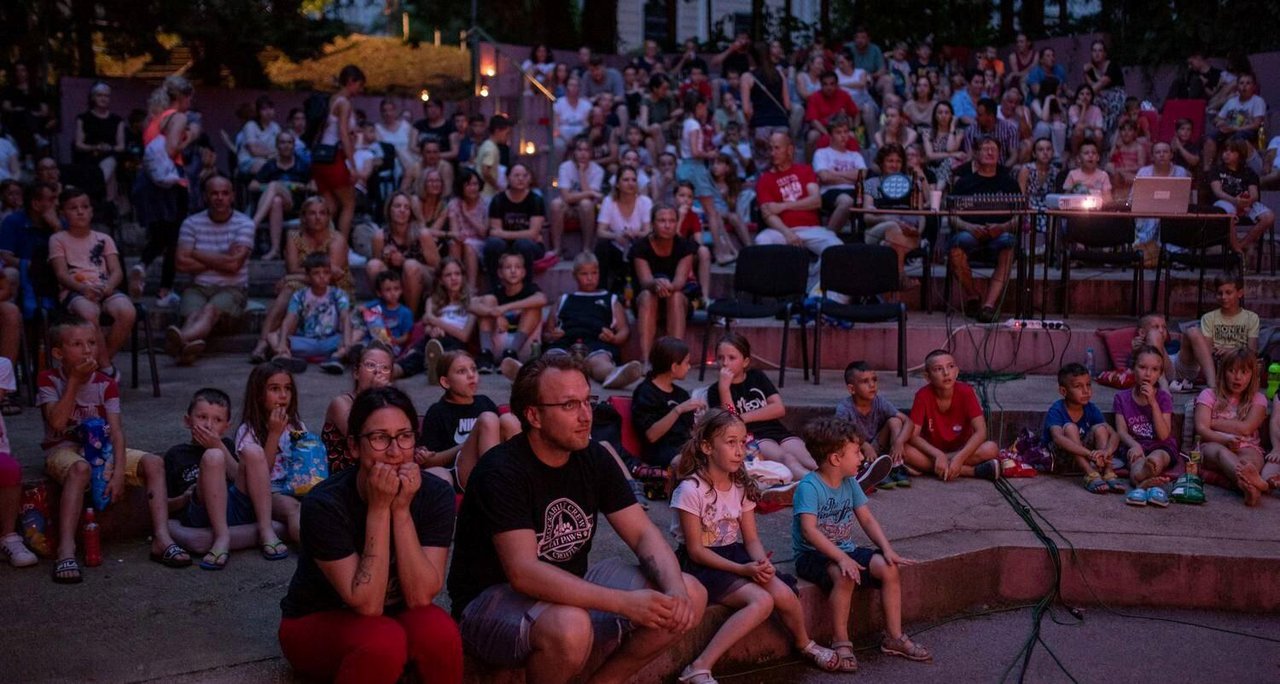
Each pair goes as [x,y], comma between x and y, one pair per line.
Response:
[1034,324]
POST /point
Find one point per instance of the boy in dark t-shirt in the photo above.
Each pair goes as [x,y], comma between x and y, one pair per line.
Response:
[592,324]
[510,315]
[462,426]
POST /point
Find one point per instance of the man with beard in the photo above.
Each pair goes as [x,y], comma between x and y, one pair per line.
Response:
[520,585]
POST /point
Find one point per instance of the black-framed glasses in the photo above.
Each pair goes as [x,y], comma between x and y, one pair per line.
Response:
[381,441]
[572,405]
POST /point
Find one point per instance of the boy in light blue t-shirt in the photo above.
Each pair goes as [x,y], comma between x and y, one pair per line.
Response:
[827,503]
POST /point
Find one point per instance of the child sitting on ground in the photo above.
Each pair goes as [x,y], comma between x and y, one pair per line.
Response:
[590,323]
[882,428]
[374,368]
[950,438]
[715,530]
[68,395]
[1074,427]
[749,393]
[510,315]
[214,515]
[11,545]
[826,504]
[447,322]
[1144,423]
[1219,332]
[1227,419]
[87,266]
[385,319]
[317,324]
[1267,478]
[462,426]
[1153,330]
[263,443]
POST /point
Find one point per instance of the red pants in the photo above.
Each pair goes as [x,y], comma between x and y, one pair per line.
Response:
[341,646]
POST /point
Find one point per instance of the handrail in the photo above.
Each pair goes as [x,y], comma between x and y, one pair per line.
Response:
[524,72]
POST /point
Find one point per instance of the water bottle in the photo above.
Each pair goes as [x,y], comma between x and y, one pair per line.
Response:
[1088,362]
[1273,380]
[753,449]
[1193,460]
[628,293]
[92,539]
[98,451]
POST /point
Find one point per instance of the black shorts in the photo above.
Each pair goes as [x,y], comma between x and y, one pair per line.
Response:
[593,345]
[829,198]
[811,566]
[239,510]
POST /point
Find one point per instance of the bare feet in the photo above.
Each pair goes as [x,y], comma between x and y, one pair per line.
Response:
[1251,494]
[1248,472]
[1157,481]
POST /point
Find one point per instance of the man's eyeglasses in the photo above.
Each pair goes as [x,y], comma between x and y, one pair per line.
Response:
[381,441]
[572,405]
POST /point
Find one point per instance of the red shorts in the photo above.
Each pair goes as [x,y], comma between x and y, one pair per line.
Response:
[331,177]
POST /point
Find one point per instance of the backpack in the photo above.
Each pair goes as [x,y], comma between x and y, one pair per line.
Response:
[316,109]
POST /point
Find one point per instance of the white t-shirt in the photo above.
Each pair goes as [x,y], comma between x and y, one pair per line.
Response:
[569,178]
[572,120]
[1176,172]
[1273,145]
[1237,113]
[201,234]
[719,512]
[687,129]
[611,214]
[828,159]
[8,384]
[254,133]
[397,137]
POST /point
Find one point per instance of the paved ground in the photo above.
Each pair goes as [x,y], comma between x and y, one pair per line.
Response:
[134,621]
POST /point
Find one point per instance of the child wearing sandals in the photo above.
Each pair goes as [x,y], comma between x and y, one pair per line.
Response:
[462,426]
[1144,423]
[270,413]
[827,503]
[11,545]
[749,392]
[1075,428]
[1228,417]
[1266,477]
[718,544]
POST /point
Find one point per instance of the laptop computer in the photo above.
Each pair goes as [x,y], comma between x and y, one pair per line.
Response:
[1160,195]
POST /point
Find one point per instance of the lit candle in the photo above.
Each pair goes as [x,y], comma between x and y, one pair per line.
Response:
[424,95]
[530,148]
[484,91]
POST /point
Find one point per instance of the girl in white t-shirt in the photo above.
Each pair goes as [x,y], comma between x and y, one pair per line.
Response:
[262,443]
[718,543]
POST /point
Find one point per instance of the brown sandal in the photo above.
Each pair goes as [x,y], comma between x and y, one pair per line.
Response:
[906,648]
[848,661]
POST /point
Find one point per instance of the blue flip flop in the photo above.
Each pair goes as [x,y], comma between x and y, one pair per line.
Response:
[273,552]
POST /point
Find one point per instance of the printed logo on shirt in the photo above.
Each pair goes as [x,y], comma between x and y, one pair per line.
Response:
[566,528]
[790,187]
[464,429]
[754,400]
[835,519]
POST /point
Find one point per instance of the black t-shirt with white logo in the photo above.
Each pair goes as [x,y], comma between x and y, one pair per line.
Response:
[447,425]
[751,395]
[511,489]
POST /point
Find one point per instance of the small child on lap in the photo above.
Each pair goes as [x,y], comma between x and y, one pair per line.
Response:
[1075,427]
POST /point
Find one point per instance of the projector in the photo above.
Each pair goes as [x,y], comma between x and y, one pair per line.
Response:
[1072,202]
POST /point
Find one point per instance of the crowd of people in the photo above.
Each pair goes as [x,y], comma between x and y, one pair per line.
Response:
[669,165]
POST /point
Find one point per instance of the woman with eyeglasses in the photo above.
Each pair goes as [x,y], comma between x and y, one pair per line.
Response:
[373,370]
[375,540]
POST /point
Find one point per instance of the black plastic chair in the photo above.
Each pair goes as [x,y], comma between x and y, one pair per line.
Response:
[36,328]
[1197,236]
[860,272]
[769,281]
[1103,241]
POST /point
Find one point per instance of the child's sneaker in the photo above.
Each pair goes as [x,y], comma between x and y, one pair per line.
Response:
[484,364]
[1156,496]
[332,366]
[987,470]
[1136,497]
[900,476]
[874,473]
[624,375]
[18,554]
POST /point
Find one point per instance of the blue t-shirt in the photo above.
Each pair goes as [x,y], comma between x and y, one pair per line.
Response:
[18,236]
[319,316]
[399,321]
[833,507]
[1057,416]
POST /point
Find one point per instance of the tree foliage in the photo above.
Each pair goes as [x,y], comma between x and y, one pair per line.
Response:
[1154,32]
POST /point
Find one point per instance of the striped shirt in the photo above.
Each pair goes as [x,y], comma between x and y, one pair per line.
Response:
[202,234]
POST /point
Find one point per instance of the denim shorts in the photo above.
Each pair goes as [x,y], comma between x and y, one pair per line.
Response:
[695,171]
[239,510]
[496,625]
[811,566]
[969,242]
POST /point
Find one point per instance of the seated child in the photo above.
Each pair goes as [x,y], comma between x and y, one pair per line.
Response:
[68,395]
[1266,479]
[715,530]
[662,411]
[214,515]
[446,324]
[1145,425]
[883,429]
[262,441]
[87,267]
[385,319]
[11,545]
[510,315]
[689,226]
[950,438]
[462,426]
[827,502]
[373,369]
[1227,420]
[749,393]
[1219,332]
[1153,330]
[1074,427]
[318,322]
[591,323]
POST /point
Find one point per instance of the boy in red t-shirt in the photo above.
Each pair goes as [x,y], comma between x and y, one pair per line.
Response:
[950,438]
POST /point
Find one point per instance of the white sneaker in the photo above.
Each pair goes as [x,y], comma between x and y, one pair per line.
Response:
[624,375]
[168,301]
[510,367]
[18,554]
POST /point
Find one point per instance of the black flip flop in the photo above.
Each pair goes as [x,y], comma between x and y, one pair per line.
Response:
[67,565]
[170,557]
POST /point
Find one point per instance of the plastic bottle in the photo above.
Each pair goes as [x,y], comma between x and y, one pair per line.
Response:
[98,451]
[1273,380]
[753,448]
[1088,361]
[92,539]
[628,293]
[1193,459]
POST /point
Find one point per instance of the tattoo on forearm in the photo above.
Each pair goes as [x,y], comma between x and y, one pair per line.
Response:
[363,576]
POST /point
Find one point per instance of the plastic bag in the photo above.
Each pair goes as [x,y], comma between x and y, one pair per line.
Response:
[306,465]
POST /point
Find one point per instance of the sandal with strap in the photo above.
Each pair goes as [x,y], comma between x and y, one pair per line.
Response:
[1095,484]
[67,571]
[822,657]
[214,561]
[688,676]
[906,648]
[275,551]
[172,557]
[848,661]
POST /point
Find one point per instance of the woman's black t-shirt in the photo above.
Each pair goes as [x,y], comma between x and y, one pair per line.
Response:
[663,266]
[333,528]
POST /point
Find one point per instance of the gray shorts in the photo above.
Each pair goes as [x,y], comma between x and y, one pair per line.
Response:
[496,625]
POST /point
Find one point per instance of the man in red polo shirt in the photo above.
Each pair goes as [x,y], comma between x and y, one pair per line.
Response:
[823,104]
[789,202]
